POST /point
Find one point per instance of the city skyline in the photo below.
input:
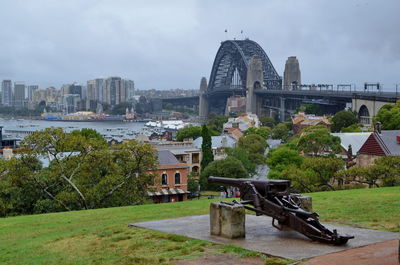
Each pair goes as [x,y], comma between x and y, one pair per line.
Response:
[353,41]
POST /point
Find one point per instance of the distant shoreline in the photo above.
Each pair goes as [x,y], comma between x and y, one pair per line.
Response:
[21,117]
[89,120]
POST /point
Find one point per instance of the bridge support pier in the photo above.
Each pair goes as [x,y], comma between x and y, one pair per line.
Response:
[203,100]
[282,109]
[255,81]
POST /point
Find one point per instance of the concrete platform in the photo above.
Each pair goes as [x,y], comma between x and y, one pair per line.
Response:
[261,236]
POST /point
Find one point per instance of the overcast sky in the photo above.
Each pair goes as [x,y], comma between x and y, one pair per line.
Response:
[172,44]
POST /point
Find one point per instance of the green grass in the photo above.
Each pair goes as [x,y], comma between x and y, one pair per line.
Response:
[102,236]
[377,209]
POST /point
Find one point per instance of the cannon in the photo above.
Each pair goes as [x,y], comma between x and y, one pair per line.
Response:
[274,198]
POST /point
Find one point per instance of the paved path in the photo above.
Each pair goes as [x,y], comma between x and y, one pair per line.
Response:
[262,237]
[262,170]
[384,253]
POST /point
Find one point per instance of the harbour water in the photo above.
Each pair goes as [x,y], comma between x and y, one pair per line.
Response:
[117,130]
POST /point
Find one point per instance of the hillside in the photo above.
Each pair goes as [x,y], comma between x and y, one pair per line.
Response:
[103,237]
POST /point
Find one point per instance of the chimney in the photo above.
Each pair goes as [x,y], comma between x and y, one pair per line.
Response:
[398,139]
[378,127]
[224,142]
[1,136]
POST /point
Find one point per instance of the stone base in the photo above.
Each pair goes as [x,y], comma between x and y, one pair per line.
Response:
[305,203]
[227,220]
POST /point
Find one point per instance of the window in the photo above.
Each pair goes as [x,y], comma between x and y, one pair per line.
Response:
[164,179]
[195,158]
[177,178]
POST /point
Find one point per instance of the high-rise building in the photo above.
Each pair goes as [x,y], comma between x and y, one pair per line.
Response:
[19,94]
[31,90]
[71,102]
[76,89]
[6,88]
[113,90]
[129,88]
[99,89]
[91,101]
[64,89]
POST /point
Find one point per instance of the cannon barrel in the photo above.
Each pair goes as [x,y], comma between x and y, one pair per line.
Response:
[262,186]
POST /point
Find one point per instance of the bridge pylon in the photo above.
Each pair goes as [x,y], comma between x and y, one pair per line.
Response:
[203,100]
[255,81]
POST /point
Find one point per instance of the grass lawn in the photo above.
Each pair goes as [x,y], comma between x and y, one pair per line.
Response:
[102,236]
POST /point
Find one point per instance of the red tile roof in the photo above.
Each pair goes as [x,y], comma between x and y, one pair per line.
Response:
[374,146]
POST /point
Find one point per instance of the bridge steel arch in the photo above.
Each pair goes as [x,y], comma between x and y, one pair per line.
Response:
[233,58]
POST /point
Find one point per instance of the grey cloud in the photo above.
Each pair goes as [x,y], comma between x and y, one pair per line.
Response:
[171,44]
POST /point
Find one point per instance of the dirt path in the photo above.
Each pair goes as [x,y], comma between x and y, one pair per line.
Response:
[384,253]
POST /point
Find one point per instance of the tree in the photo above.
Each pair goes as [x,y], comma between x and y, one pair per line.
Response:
[389,116]
[263,131]
[267,121]
[352,128]
[324,168]
[310,109]
[18,191]
[188,132]
[193,185]
[300,180]
[387,168]
[317,139]
[362,175]
[229,167]
[206,147]
[255,145]
[280,131]
[90,135]
[343,119]
[216,123]
[243,156]
[81,172]
[282,157]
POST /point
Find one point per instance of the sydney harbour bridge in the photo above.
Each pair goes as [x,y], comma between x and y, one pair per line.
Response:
[242,67]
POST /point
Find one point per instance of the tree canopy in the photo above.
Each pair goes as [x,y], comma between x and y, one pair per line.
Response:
[188,132]
[343,119]
[385,171]
[206,147]
[263,131]
[243,155]
[389,116]
[352,128]
[322,168]
[255,145]
[280,131]
[216,123]
[317,140]
[229,167]
[267,121]
[58,171]
[281,157]
[310,109]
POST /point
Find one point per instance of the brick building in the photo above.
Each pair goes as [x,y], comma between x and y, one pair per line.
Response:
[379,144]
[170,183]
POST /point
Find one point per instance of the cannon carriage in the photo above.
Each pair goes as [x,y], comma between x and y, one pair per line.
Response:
[274,198]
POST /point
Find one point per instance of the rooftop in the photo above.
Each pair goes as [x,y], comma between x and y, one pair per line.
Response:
[166,157]
[356,140]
